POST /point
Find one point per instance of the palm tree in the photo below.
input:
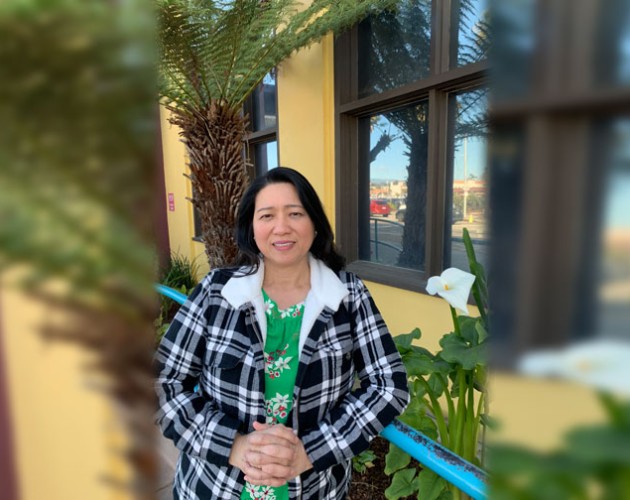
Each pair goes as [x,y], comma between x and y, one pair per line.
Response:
[213,55]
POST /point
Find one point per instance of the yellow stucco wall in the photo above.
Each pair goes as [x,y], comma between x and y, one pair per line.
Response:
[306,118]
[181,225]
[531,412]
[59,425]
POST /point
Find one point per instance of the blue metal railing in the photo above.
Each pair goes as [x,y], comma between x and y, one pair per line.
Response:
[171,293]
[431,454]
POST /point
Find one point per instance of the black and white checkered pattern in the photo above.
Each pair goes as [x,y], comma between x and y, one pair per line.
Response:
[219,347]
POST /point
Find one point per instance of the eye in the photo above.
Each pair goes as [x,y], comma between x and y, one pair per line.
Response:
[265,217]
[296,214]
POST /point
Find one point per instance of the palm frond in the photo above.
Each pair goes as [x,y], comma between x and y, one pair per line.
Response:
[222,50]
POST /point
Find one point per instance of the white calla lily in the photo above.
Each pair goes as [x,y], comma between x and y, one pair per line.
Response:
[601,364]
[453,285]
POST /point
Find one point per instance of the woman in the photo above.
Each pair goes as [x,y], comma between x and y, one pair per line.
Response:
[257,371]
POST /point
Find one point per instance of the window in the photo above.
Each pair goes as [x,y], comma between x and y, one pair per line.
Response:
[560,178]
[411,134]
[262,140]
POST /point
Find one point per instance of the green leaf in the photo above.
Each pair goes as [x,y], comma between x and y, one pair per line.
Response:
[417,389]
[395,459]
[455,350]
[406,339]
[363,461]
[482,333]
[446,495]
[416,407]
[436,385]
[431,485]
[467,329]
[480,378]
[417,364]
[601,444]
[404,483]
[422,423]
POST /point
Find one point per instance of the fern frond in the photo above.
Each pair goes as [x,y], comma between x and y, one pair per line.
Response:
[222,50]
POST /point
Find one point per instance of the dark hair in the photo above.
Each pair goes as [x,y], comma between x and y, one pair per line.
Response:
[323,246]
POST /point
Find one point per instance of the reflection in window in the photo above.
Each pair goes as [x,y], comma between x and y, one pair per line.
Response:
[265,156]
[611,57]
[469,175]
[613,287]
[392,227]
[395,47]
[470,41]
[263,113]
[514,24]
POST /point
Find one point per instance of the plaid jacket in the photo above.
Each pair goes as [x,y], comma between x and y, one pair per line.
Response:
[216,341]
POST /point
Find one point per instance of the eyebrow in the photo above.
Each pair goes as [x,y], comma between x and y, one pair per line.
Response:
[286,206]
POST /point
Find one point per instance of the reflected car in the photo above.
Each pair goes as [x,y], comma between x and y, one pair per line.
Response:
[379,207]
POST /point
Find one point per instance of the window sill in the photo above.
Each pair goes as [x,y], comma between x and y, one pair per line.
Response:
[407,279]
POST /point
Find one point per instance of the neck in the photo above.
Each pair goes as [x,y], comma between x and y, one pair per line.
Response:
[297,276]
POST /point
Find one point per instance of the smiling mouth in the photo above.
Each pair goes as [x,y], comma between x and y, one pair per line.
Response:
[282,244]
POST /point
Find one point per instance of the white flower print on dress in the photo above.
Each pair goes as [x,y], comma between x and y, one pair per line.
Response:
[278,408]
[283,363]
[269,305]
[275,364]
[263,492]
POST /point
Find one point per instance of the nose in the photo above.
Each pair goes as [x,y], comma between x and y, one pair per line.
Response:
[282,224]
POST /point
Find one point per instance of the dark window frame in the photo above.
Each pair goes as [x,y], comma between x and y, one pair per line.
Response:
[349,108]
[256,137]
[558,116]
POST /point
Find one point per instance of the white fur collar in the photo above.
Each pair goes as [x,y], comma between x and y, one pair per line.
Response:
[327,290]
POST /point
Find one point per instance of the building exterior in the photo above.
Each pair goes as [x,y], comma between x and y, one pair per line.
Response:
[328,129]
[353,133]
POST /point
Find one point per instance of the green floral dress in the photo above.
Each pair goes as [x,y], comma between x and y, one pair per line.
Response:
[281,364]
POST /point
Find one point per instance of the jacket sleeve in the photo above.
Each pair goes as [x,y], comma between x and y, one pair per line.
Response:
[193,422]
[382,393]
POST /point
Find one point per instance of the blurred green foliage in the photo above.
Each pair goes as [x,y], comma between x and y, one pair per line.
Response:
[180,273]
[593,463]
[78,117]
[77,144]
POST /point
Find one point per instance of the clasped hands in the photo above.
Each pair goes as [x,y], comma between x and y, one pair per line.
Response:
[269,456]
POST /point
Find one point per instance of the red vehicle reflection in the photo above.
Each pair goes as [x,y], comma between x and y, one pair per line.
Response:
[379,207]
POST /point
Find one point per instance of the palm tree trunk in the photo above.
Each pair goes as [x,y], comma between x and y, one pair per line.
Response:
[218,172]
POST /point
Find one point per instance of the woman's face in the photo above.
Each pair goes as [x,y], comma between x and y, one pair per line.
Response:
[283,230]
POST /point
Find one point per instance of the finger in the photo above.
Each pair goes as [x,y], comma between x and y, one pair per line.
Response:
[271,456]
[259,426]
[267,435]
[279,471]
[276,453]
[259,476]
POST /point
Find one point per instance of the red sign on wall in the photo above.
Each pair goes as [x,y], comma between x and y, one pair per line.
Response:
[171,202]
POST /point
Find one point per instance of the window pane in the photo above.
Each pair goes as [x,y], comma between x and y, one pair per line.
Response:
[470,38]
[264,103]
[395,47]
[611,57]
[613,287]
[392,220]
[467,203]
[265,156]
[513,48]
